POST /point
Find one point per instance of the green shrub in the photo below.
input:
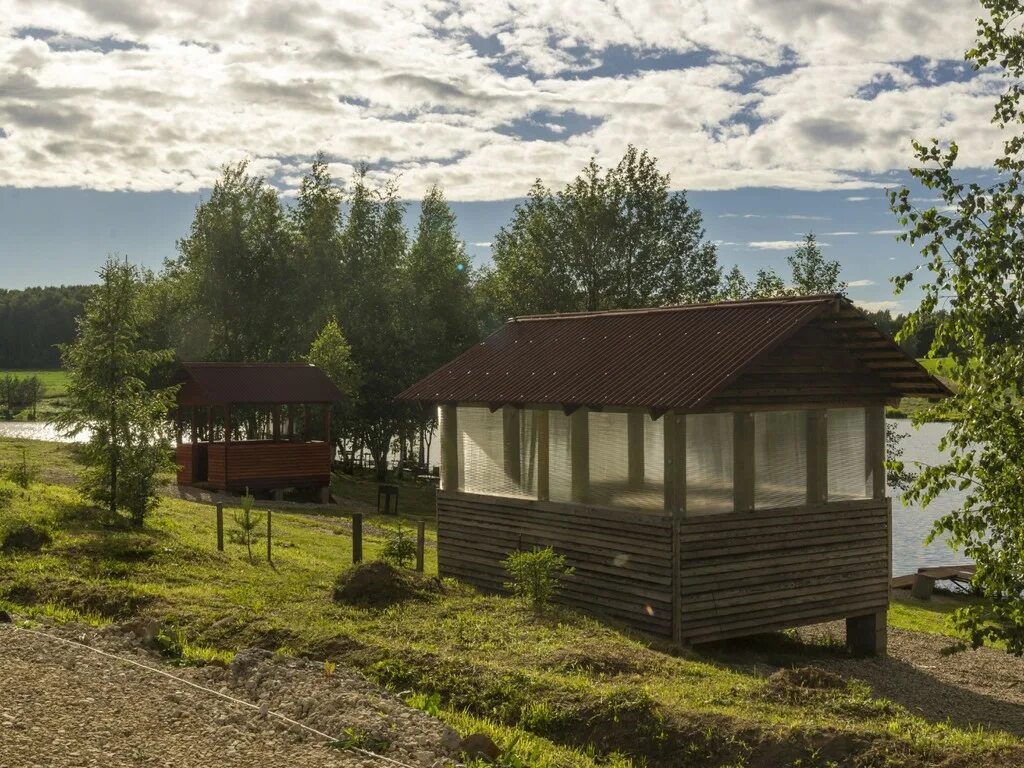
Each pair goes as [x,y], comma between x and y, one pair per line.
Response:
[22,473]
[536,576]
[399,548]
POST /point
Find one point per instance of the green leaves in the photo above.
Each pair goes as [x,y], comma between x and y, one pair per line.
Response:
[973,248]
[617,238]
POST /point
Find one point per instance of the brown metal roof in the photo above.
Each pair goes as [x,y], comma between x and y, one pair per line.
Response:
[223,383]
[672,357]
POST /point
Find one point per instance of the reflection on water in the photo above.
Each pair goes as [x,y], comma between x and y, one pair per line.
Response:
[37,430]
[910,524]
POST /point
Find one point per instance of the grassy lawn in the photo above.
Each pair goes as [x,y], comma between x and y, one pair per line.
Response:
[55,384]
[558,689]
[910,406]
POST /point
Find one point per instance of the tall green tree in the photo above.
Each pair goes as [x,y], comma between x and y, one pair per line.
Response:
[973,248]
[442,300]
[613,238]
[317,222]
[331,353]
[374,242]
[735,285]
[109,396]
[812,272]
[237,271]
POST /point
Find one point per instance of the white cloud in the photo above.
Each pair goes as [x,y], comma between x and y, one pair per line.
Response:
[857,198]
[800,217]
[151,96]
[839,234]
[860,283]
[776,245]
[877,306]
[886,231]
[481,245]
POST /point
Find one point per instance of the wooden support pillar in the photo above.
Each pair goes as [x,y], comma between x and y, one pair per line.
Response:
[675,504]
[177,425]
[194,436]
[209,423]
[867,635]
[874,441]
[817,456]
[327,425]
[512,449]
[449,448]
[305,422]
[543,454]
[579,446]
[635,447]
[275,417]
[227,443]
[743,461]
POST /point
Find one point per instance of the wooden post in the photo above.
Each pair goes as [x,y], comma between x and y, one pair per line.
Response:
[635,447]
[449,448]
[874,440]
[177,425]
[817,456]
[194,436]
[579,444]
[270,558]
[543,454]
[220,527]
[743,461]
[209,423]
[867,635]
[275,417]
[357,537]
[421,542]
[305,422]
[327,426]
[512,449]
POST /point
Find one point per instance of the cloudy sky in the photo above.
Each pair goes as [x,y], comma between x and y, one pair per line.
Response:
[780,117]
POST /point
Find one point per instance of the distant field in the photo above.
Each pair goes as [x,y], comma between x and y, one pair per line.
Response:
[56,382]
[942,366]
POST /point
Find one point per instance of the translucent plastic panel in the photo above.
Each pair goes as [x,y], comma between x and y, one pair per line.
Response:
[780,459]
[627,459]
[709,463]
[847,454]
[482,462]
[559,457]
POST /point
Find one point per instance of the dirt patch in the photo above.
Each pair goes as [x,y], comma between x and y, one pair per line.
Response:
[604,660]
[25,538]
[108,601]
[378,584]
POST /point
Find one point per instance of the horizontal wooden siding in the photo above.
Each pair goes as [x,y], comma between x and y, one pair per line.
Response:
[623,560]
[264,464]
[758,571]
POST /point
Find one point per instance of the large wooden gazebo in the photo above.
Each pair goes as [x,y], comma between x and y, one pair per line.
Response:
[261,426]
[710,471]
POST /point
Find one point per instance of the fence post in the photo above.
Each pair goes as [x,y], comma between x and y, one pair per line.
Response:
[220,527]
[269,515]
[357,537]
[420,541]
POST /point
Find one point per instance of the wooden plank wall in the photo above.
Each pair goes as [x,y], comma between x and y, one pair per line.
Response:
[262,464]
[183,458]
[759,571]
[623,560]
[216,467]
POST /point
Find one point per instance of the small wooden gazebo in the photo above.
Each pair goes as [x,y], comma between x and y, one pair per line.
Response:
[710,471]
[262,426]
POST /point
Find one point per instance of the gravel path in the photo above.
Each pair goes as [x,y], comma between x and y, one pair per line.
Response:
[974,687]
[63,706]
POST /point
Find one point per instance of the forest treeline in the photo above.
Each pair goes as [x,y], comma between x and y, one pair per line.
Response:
[334,276]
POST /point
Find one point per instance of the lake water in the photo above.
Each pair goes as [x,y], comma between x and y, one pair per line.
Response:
[910,524]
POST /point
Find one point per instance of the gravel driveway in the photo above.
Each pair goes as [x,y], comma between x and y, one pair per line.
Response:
[63,706]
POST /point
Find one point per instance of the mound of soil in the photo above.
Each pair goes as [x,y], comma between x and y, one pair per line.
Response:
[795,683]
[378,584]
[25,538]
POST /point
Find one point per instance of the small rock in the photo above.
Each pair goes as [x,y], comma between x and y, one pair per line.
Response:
[5,617]
[479,745]
[145,630]
[450,742]
[245,661]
